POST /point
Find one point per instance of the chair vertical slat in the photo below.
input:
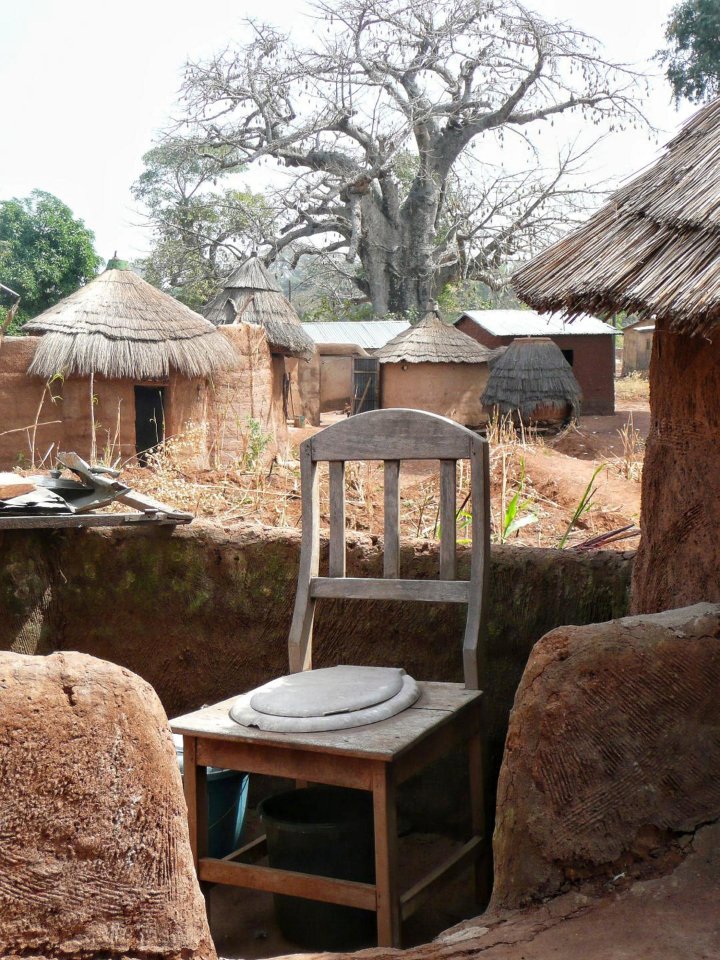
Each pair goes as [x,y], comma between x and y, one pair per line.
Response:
[392,519]
[448,535]
[475,640]
[337,518]
[301,628]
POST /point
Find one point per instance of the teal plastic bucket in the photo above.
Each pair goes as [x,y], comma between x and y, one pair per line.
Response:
[227,792]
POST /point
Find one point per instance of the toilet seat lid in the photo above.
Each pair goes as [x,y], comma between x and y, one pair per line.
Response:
[241,712]
[331,690]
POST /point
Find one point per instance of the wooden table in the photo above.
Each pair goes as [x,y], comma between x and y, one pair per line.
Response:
[377,757]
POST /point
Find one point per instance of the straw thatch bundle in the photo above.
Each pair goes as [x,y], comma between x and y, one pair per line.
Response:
[432,341]
[653,249]
[532,375]
[121,327]
[251,295]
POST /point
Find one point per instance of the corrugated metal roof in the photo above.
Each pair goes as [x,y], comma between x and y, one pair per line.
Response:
[529,323]
[369,334]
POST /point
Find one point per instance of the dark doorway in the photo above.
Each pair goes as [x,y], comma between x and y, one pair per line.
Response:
[366,374]
[149,420]
[569,354]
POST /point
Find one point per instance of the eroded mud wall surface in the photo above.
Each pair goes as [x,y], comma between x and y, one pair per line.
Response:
[95,860]
[203,613]
[679,555]
[613,753]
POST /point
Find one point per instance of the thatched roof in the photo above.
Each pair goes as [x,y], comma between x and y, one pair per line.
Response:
[251,295]
[432,341]
[653,249]
[121,327]
[531,373]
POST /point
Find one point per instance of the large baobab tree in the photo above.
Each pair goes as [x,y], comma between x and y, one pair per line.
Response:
[374,119]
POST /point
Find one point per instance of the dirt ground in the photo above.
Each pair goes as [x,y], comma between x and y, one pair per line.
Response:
[538,484]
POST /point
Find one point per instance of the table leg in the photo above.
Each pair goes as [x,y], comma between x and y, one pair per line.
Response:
[386,873]
[195,787]
[483,877]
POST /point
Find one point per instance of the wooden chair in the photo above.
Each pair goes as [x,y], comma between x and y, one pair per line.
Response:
[380,756]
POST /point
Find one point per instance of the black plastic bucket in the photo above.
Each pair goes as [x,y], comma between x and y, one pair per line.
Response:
[326,831]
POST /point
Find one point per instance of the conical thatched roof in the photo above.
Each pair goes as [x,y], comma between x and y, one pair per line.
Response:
[251,295]
[653,250]
[531,373]
[432,341]
[121,327]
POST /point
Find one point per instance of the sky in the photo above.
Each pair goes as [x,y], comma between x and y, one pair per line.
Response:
[85,87]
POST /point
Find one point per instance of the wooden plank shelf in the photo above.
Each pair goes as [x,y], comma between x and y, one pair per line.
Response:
[75,520]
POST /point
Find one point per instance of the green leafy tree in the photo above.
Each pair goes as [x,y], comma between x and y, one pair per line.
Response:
[693,58]
[45,252]
[199,232]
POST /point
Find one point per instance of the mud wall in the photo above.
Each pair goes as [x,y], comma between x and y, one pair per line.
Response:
[308,382]
[336,382]
[218,413]
[679,556]
[22,404]
[636,350]
[204,613]
[450,389]
[250,389]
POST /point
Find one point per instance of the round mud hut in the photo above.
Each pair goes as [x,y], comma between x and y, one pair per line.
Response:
[251,295]
[434,366]
[533,383]
[654,251]
[128,365]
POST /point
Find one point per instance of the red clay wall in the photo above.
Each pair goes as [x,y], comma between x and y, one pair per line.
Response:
[20,404]
[679,556]
[251,389]
[449,389]
[308,379]
[593,364]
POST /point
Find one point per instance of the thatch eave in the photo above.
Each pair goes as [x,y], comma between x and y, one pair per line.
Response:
[251,295]
[432,341]
[119,326]
[653,250]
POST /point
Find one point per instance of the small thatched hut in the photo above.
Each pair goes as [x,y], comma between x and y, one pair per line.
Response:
[251,295]
[533,382]
[129,364]
[654,250]
[434,366]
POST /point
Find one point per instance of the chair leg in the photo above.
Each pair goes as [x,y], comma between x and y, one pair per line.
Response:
[386,844]
[195,788]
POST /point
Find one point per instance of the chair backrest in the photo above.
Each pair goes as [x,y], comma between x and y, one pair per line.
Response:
[393,436]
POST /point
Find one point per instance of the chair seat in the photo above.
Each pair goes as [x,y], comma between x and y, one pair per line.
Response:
[436,706]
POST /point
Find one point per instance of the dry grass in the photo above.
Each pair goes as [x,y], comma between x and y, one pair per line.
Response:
[525,509]
[634,386]
[630,463]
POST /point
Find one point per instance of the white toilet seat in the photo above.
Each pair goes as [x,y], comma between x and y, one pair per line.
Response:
[342,697]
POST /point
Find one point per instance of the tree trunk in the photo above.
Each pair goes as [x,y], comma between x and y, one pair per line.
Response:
[396,248]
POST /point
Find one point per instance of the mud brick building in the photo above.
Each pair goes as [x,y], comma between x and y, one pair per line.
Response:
[588,344]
